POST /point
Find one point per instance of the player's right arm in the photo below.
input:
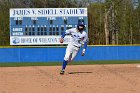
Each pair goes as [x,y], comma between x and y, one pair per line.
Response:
[64,34]
[62,37]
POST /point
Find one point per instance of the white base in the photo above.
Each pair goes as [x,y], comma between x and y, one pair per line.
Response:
[138,66]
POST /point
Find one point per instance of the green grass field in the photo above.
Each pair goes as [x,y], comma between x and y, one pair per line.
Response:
[20,64]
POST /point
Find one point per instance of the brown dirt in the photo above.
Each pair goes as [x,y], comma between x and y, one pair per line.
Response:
[77,79]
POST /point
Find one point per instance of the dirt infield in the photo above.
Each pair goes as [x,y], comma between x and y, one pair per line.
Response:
[123,78]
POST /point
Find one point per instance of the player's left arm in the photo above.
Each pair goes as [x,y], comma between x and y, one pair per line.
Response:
[84,49]
[85,45]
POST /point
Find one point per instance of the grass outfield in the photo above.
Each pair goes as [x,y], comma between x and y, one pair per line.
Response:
[19,64]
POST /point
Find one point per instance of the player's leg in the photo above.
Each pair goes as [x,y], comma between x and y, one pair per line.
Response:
[66,58]
[69,61]
[74,53]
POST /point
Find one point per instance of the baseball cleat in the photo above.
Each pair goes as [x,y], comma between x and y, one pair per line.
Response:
[62,72]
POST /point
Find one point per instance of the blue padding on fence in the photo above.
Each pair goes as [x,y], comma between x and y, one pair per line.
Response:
[56,54]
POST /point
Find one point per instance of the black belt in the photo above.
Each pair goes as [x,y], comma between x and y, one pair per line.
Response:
[76,46]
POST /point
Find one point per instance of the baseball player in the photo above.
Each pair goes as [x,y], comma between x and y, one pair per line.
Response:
[79,37]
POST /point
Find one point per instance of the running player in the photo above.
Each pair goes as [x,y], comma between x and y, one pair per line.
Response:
[79,37]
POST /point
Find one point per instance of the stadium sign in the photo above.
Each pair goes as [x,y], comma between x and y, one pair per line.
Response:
[43,26]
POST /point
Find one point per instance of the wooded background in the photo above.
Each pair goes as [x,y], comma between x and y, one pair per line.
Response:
[110,22]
